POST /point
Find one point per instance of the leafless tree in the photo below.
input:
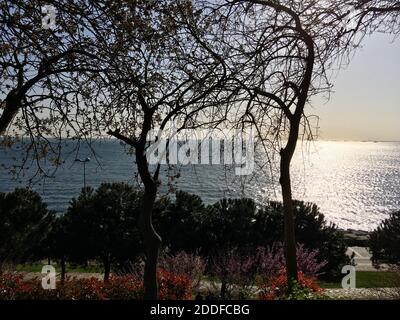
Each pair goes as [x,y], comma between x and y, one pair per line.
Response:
[37,69]
[160,68]
[121,68]
[281,53]
[276,59]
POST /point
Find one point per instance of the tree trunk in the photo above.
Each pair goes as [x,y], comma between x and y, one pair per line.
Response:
[107,267]
[223,289]
[151,239]
[12,104]
[152,243]
[289,231]
[63,269]
[287,152]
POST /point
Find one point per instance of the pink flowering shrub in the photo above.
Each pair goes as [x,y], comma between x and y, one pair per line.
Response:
[240,270]
[235,270]
[272,259]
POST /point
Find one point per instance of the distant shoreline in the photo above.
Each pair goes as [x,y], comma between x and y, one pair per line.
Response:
[112,138]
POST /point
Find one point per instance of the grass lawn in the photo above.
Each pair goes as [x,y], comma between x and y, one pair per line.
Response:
[369,279]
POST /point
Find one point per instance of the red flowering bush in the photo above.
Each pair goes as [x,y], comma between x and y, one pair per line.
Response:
[171,286]
[10,285]
[14,287]
[174,287]
[276,288]
[124,288]
[81,289]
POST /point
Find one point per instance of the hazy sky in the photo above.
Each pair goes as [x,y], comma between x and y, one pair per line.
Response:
[365,104]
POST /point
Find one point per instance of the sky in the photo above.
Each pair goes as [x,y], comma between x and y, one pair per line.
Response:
[365,104]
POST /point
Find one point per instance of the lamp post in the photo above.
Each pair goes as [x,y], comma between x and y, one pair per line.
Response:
[84,161]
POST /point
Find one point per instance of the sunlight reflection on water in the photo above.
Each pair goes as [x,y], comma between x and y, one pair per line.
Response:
[354,183]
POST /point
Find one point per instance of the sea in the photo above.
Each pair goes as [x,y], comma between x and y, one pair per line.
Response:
[355,184]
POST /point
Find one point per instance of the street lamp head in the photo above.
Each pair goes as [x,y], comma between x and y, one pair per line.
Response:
[84,160]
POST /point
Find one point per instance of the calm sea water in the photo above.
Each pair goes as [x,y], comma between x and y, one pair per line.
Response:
[356,184]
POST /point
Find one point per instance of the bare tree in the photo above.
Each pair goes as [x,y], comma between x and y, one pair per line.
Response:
[271,54]
[160,68]
[281,54]
[120,69]
[367,16]
[37,69]
[31,55]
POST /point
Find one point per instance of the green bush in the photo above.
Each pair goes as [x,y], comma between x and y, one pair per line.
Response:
[24,224]
[231,223]
[101,224]
[178,222]
[384,241]
[187,224]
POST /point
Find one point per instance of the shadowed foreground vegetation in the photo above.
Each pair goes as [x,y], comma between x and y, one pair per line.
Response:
[101,225]
[233,245]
